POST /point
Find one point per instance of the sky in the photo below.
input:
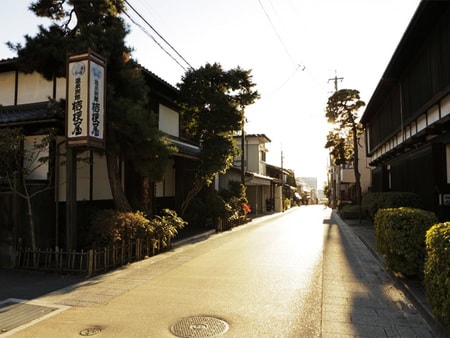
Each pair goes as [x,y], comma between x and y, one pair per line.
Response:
[294,49]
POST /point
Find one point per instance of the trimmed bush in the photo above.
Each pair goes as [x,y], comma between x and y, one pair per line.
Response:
[166,226]
[352,212]
[374,201]
[437,271]
[400,237]
[110,227]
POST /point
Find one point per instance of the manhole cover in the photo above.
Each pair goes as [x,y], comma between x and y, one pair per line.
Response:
[199,327]
[92,331]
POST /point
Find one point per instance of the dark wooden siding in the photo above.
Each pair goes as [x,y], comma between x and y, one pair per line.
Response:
[428,74]
[425,76]
[423,180]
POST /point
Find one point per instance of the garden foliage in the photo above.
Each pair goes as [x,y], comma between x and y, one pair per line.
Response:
[112,227]
[437,271]
[374,201]
[400,237]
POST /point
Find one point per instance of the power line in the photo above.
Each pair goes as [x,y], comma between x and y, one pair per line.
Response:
[276,32]
[154,40]
[157,33]
[299,67]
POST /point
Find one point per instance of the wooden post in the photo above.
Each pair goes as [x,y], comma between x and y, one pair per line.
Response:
[71,199]
[90,262]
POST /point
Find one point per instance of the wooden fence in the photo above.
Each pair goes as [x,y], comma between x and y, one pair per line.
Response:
[90,262]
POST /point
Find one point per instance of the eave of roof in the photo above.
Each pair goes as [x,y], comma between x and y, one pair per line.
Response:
[426,16]
[159,79]
[27,113]
[186,149]
[261,137]
[10,63]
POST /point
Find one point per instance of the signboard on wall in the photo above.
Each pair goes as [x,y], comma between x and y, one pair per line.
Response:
[85,111]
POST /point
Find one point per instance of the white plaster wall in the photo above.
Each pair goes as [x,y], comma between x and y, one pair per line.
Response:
[60,89]
[37,170]
[101,188]
[7,86]
[33,88]
[168,121]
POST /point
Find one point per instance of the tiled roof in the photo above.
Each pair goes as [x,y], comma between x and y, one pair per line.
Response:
[186,149]
[159,79]
[26,113]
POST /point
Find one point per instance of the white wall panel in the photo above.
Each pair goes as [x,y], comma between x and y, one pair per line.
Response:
[33,88]
[7,81]
[168,121]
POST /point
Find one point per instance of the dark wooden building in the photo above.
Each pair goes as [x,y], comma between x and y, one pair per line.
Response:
[407,119]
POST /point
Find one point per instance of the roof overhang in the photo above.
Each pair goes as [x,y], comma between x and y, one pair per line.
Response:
[26,114]
[185,149]
[427,14]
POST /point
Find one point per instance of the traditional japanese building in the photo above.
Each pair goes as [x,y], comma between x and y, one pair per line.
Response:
[407,119]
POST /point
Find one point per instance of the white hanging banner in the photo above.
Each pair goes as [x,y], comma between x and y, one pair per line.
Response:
[85,117]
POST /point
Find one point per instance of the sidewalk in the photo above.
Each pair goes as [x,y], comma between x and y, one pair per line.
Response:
[414,289]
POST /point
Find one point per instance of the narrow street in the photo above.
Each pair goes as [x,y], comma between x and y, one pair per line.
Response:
[270,278]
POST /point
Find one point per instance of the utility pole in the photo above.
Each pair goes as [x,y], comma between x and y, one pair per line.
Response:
[335,79]
[335,172]
[243,154]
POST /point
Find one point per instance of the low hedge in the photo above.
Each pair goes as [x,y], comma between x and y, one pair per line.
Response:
[110,227]
[400,238]
[374,201]
[437,271]
[352,212]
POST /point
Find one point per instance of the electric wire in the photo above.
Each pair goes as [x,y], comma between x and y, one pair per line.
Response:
[154,40]
[158,34]
[276,33]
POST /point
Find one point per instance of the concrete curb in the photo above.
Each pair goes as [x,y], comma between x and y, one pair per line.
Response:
[194,239]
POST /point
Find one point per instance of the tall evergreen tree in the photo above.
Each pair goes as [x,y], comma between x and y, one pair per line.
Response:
[131,131]
[342,111]
[212,103]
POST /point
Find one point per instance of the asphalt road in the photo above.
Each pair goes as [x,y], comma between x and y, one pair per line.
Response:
[264,279]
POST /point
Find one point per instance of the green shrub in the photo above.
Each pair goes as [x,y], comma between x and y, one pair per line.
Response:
[195,213]
[351,212]
[437,271]
[166,226]
[343,204]
[234,197]
[110,226]
[374,201]
[400,237]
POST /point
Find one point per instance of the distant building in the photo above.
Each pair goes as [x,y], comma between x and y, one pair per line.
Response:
[268,186]
[343,176]
[307,187]
[260,188]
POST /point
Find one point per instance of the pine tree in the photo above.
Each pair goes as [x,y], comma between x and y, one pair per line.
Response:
[131,131]
[342,111]
[212,103]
